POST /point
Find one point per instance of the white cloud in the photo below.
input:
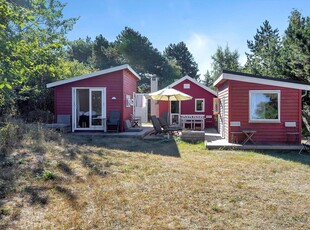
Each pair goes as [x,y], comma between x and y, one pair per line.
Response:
[202,47]
[242,59]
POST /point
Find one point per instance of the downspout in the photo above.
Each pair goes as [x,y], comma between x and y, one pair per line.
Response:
[303,95]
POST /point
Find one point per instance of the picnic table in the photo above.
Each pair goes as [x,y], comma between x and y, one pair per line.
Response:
[193,120]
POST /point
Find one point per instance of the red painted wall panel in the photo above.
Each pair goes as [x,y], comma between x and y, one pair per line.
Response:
[117,84]
[188,107]
[266,132]
[129,86]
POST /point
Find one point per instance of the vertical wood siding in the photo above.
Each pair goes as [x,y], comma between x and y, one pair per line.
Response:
[129,86]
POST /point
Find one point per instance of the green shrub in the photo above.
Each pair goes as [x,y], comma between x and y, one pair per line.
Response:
[11,134]
[48,175]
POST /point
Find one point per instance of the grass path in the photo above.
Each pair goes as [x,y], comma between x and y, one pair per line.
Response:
[125,183]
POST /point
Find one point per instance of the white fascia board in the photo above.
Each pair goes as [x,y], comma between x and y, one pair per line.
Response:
[218,80]
[86,76]
[267,82]
[235,77]
[193,81]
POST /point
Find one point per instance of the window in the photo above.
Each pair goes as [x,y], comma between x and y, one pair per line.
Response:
[128,101]
[199,105]
[265,105]
[186,86]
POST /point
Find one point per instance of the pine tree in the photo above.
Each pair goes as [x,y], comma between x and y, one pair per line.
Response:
[296,48]
[264,56]
[222,59]
[180,53]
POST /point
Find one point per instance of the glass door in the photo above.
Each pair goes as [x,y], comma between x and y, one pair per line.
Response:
[96,108]
[175,112]
[89,108]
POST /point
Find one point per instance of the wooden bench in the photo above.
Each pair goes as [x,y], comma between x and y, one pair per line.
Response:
[233,136]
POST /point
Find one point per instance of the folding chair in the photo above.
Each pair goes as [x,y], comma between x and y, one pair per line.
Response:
[156,125]
[171,129]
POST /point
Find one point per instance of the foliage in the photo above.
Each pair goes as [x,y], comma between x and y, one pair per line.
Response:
[222,59]
[104,54]
[48,175]
[264,56]
[73,68]
[130,47]
[32,46]
[81,50]
[139,52]
[180,53]
[296,47]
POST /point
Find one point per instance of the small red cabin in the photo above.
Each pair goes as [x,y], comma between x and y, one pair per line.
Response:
[267,108]
[199,108]
[90,98]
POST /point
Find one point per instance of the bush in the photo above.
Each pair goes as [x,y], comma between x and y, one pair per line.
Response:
[13,132]
[48,175]
[39,116]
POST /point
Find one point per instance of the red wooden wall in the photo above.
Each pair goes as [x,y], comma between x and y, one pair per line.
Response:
[117,84]
[238,110]
[188,107]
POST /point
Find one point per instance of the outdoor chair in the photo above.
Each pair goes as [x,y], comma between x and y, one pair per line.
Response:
[306,145]
[129,128]
[156,125]
[135,121]
[169,128]
[164,116]
[163,129]
[113,122]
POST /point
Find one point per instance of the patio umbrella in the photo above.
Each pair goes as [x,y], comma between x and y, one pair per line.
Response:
[169,94]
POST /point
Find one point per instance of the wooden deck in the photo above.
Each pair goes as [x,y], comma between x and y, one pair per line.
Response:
[146,130]
[213,140]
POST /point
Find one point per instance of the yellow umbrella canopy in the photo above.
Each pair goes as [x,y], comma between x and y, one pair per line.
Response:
[169,94]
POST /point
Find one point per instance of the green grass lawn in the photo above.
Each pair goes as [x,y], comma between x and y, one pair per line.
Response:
[75,182]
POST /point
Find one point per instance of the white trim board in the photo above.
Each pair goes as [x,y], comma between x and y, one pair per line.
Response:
[263,81]
[86,76]
[193,81]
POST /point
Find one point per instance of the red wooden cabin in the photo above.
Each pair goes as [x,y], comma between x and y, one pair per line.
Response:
[201,103]
[90,98]
[268,107]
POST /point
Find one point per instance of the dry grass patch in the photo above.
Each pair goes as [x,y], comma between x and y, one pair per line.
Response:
[105,183]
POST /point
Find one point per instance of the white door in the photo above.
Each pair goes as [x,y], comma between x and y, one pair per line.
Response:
[175,110]
[140,106]
[89,109]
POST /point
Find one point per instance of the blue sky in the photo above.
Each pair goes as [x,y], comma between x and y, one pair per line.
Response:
[202,24]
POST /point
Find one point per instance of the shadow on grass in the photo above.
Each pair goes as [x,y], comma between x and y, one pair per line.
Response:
[294,156]
[159,147]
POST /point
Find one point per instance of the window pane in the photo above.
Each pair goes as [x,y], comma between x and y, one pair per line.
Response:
[199,105]
[264,106]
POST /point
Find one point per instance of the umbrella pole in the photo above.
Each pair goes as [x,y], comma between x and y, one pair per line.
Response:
[169,105]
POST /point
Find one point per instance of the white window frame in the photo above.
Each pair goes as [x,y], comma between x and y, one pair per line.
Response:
[278,92]
[186,86]
[203,105]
